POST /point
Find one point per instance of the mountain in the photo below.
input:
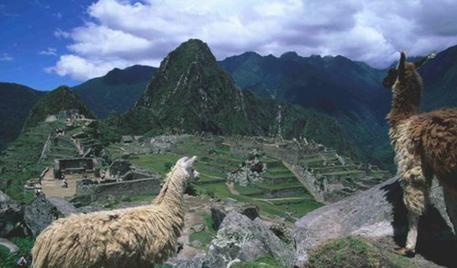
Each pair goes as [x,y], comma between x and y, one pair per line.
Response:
[117,91]
[348,91]
[16,101]
[59,100]
[440,80]
[190,93]
[335,85]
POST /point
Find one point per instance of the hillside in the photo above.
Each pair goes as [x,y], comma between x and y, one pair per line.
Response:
[16,101]
[117,91]
[348,91]
[440,80]
[61,99]
[191,93]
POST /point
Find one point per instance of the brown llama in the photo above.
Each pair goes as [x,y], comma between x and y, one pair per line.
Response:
[425,145]
[131,237]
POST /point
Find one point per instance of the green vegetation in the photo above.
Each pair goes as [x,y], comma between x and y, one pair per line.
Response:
[60,99]
[201,97]
[115,92]
[16,101]
[207,235]
[8,260]
[275,196]
[262,262]
[355,251]
[19,161]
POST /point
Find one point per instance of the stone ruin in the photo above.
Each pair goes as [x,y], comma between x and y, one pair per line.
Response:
[74,165]
[250,170]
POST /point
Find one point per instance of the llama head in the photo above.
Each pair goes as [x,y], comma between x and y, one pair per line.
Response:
[186,164]
[404,69]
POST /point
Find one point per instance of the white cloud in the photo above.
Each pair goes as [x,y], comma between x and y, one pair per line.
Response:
[50,51]
[59,33]
[123,33]
[6,57]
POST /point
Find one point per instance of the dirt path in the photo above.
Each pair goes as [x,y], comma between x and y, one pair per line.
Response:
[231,188]
[8,244]
[52,187]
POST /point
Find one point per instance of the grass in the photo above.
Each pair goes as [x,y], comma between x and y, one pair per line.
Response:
[355,251]
[215,161]
[207,235]
[8,260]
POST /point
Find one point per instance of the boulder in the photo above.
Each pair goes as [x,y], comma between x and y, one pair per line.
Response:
[246,240]
[43,211]
[218,213]
[10,215]
[378,213]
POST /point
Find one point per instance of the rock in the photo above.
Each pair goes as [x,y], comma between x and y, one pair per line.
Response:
[249,171]
[230,201]
[251,211]
[198,228]
[43,211]
[10,215]
[246,240]
[218,215]
[9,245]
[378,213]
[281,231]
[196,244]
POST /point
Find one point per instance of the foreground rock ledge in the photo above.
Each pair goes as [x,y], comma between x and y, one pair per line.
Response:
[378,213]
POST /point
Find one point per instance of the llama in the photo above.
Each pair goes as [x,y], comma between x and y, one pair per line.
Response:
[131,237]
[425,145]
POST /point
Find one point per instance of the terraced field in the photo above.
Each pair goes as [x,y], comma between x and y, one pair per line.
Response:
[279,192]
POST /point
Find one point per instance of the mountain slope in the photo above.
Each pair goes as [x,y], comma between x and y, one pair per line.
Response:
[348,91]
[117,91]
[191,93]
[58,100]
[16,101]
[440,80]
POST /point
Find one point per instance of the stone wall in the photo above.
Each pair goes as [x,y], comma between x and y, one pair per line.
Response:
[103,191]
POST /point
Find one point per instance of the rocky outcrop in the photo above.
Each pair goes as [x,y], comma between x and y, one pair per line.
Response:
[378,213]
[218,213]
[240,239]
[43,211]
[10,215]
[250,170]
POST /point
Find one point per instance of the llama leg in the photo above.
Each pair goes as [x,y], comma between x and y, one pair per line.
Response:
[416,188]
[450,198]
[411,239]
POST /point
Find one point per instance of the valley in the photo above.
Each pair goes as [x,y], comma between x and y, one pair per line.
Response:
[267,158]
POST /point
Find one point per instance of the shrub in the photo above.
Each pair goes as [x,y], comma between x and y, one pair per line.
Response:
[351,251]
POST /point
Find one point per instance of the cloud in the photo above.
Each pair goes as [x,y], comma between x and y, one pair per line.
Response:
[122,33]
[50,51]
[6,57]
[59,33]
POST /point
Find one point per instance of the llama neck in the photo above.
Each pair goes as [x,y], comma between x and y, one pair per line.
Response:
[405,101]
[172,191]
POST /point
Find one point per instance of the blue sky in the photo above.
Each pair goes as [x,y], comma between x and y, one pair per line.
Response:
[48,43]
[29,44]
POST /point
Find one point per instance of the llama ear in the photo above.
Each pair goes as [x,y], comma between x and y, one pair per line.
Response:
[402,62]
